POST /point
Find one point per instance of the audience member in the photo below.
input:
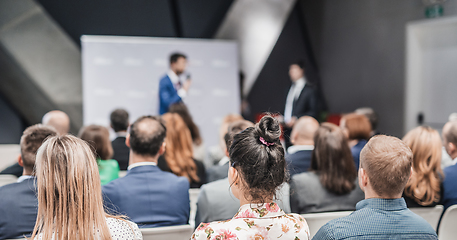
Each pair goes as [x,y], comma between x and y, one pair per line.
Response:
[298,156]
[56,119]
[98,138]
[178,157]
[217,153]
[358,130]
[331,185]
[18,202]
[424,186]
[147,195]
[258,169]
[385,168]
[447,160]
[119,119]
[70,203]
[372,117]
[220,171]
[197,141]
[449,196]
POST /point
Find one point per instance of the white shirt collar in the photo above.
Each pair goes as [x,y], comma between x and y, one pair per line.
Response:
[295,148]
[173,77]
[454,161]
[141,164]
[23,178]
[121,134]
[300,83]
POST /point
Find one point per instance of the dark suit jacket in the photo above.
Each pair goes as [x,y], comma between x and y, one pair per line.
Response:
[18,209]
[121,152]
[306,103]
[167,94]
[14,169]
[298,162]
[201,173]
[150,197]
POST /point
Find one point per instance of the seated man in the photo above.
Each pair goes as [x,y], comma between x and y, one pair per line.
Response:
[450,144]
[385,168]
[298,156]
[147,195]
[215,201]
[18,202]
[119,119]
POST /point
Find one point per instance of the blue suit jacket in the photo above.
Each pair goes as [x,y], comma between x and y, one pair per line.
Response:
[299,162]
[449,190]
[167,94]
[356,152]
[150,197]
[18,209]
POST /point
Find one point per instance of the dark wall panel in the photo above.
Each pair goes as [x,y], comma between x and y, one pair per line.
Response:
[11,124]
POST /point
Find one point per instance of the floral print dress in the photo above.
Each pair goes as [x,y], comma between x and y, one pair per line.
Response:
[257,222]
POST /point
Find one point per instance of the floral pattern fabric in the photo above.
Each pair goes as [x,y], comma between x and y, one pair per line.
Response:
[256,222]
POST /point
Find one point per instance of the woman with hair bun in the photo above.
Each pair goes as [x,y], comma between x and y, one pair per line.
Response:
[257,170]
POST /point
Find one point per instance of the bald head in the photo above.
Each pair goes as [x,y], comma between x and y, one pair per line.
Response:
[450,138]
[147,135]
[303,131]
[57,119]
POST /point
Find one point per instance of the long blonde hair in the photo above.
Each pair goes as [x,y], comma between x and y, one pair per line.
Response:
[179,153]
[424,184]
[70,203]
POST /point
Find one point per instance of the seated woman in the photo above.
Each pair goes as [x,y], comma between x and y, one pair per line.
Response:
[424,187]
[98,138]
[178,157]
[258,169]
[70,204]
[331,185]
[357,128]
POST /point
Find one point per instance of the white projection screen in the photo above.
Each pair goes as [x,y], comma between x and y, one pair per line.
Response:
[124,72]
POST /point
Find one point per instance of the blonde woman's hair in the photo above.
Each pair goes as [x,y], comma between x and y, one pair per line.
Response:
[70,203]
[424,184]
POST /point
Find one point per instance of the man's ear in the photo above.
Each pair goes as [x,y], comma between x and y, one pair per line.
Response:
[20,161]
[451,146]
[127,140]
[233,176]
[227,153]
[162,148]
[363,178]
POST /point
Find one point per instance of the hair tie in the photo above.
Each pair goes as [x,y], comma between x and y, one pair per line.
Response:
[265,142]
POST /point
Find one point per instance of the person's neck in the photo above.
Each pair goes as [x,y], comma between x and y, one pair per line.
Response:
[244,201]
[453,155]
[307,142]
[353,142]
[27,172]
[370,193]
[136,158]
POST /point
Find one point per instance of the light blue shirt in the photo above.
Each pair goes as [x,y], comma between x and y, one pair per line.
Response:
[377,218]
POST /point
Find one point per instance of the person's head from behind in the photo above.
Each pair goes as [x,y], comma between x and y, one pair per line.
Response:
[356,126]
[450,138]
[371,115]
[58,120]
[98,138]
[178,63]
[31,140]
[179,152]
[146,138]
[297,70]
[119,120]
[257,163]
[181,109]
[332,160]
[424,184]
[385,167]
[226,121]
[232,130]
[70,200]
[303,131]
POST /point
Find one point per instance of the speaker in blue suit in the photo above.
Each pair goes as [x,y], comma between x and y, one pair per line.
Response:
[147,195]
[172,87]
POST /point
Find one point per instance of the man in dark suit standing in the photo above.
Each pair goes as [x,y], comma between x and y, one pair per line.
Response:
[147,195]
[18,201]
[173,87]
[119,119]
[298,155]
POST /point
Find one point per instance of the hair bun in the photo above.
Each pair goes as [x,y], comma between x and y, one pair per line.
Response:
[268,128]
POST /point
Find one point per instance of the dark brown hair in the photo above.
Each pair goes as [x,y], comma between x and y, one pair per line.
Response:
[261,166]
[119,119]
[147,134]
[387,162]
[235,128]
[31,140]
[357,125]
[181,109]
[97,137]
[332,159]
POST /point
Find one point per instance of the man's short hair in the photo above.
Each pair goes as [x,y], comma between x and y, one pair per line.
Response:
[450,132]
[147,134]
[234,128]
[175,56]
[387,162]
[300,63]
[119,120]
[31,140]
